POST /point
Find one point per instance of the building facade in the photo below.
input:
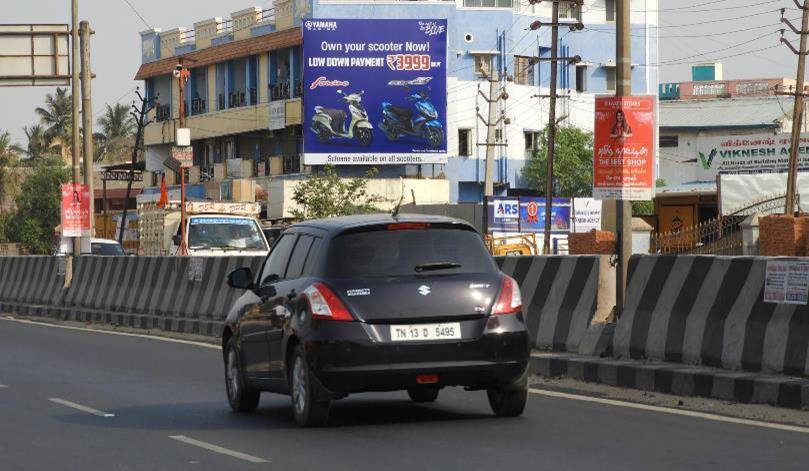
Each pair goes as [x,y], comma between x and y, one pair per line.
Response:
[245,95]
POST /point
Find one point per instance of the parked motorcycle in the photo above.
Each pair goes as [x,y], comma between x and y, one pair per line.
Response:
[398,121]
[329,123]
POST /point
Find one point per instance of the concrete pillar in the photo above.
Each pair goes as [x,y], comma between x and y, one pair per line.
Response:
[750,235]
[243,20]
[263,77]
[205,30]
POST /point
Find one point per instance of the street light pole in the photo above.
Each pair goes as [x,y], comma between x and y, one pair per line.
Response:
[87,116]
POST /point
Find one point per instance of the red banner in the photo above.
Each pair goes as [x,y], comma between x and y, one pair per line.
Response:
[624,153]
[75,210]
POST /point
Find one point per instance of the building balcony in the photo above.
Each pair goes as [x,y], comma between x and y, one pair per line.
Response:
[280,91]
[162,112]
[198,106]
[237,100]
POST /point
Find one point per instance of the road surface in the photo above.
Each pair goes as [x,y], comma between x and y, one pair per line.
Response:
[83,400]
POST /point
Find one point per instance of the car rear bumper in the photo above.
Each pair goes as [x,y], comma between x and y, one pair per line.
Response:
[346,358]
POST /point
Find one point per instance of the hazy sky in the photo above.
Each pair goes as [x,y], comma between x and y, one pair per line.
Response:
[750,26]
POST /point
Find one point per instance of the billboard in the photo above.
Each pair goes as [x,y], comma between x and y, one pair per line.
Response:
[504,214]
[34,54]
[374,91]
[532,215]
[75,210]
[751,153]
[624,150]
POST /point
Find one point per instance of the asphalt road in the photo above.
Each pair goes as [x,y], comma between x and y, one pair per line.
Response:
[78,400]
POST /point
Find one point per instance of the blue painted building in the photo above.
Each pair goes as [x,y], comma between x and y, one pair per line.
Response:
[242,66]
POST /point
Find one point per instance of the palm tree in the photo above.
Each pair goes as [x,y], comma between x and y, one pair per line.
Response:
[57,115]
[39,144]
[117,126]
[7,159]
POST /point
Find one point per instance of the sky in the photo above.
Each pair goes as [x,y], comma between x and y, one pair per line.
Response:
[691,31]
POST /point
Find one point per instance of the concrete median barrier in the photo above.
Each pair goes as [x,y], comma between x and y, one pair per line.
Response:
[710,311]
[178,294]
[560,299]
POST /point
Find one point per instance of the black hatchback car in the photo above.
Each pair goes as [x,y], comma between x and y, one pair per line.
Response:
[375,303]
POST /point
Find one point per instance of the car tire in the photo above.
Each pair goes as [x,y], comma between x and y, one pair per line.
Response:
[308,411]
[241,397]
[509,401]
[423,394]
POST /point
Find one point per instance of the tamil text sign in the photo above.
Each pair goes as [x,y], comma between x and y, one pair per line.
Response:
[624,153]
[76,202]
[183,155]
[375,91]
[752,153]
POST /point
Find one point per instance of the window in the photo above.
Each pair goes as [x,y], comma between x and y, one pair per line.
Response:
[464,143]
[299,257]
[483,64]
[383,253]
[523,70]
[569,11]
[669,141]
[487,3]
[610,77]
[610,9]
[581,78]
[276,263]
[532,140]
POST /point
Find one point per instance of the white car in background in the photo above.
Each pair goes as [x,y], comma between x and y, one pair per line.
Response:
[104,247]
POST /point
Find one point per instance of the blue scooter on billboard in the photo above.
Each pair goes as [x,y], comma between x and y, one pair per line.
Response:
[330,123]
[400,121]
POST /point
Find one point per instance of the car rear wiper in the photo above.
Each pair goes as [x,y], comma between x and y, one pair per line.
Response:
[436,266]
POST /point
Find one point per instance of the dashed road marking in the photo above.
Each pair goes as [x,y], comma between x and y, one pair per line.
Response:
[669,410]
[101,331]
[3,386]
[218,449]
[80,407]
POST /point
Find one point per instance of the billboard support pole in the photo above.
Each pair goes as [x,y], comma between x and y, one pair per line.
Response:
[74,82]
[623,208]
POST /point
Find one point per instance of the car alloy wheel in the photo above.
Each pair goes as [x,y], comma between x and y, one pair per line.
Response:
[241,397]
[308,410]
[232,373]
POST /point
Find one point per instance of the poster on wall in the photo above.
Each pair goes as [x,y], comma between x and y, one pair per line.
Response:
[786,281]
[624,150]
[75,210]
[532,215]
[374,91]
[586,215]
[504,214]
[755,153]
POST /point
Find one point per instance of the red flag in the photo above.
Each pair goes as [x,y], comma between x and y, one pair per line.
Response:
[164,193]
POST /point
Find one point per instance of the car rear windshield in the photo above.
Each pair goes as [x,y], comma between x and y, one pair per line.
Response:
[434,251]
[106,249]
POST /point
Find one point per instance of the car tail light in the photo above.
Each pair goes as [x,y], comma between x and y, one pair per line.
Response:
[325,304]
[426,379]
[510,299]
[408,226]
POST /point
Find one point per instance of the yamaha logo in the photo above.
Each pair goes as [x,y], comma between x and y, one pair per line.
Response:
[314,25]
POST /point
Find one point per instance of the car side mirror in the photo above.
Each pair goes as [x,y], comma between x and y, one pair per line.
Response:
[176,238]
[241,278]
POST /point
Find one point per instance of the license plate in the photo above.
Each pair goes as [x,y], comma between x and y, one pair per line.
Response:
[422,332]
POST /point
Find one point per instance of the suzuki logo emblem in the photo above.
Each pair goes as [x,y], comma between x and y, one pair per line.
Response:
[424,290]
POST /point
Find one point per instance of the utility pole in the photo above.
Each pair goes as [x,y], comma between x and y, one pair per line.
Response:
[74,82]
[182,76]
[797,113]
[623,88]
[495,95]
[87,115]
[552,125]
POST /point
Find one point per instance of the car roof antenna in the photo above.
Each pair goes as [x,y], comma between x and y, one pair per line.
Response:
[395,212]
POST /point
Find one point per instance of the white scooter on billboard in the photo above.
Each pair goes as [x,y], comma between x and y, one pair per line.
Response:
[330,123]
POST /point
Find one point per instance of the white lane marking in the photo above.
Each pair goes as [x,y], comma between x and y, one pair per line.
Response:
[669,410]
[80,407]
[124,334]
[218,449]
[3,386]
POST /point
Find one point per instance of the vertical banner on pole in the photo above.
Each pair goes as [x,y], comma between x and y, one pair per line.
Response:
[624,153]
[76,202]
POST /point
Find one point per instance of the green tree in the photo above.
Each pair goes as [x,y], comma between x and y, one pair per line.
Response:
[572,163]
[38,145]
[117,127]
[38,206]
[57,116]
[8,160]
[327,195]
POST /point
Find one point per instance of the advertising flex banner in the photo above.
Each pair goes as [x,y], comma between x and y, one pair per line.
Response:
[752,153]
[375,91]
[532,215]
[75,210]
[624,150]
